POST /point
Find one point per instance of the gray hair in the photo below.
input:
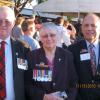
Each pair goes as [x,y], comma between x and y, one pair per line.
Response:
[8,10]
[50,26]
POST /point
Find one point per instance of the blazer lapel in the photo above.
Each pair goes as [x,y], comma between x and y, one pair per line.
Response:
[87,63]
[14,55]
[57,63]
[98,66]
[83,45]
[17,73]
[42,57]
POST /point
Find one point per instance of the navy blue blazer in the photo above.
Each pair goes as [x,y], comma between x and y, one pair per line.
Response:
[88,84]
[64,75]
[18,51]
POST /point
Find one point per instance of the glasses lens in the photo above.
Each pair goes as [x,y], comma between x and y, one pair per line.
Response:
[49,35]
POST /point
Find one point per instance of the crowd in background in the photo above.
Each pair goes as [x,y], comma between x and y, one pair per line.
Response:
[49,61]
[67,32]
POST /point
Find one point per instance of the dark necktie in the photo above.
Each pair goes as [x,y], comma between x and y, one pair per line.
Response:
[93,58]
[2,72]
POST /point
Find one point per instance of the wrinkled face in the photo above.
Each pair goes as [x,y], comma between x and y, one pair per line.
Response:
[48,38]
[91,28]
[6,24]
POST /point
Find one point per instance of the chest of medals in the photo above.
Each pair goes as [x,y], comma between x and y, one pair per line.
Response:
[42,73]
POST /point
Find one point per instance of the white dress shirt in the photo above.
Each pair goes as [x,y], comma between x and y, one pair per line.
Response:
[63,36]
[9,71]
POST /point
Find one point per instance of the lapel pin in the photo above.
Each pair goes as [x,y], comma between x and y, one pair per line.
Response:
[59,59]
[16,53]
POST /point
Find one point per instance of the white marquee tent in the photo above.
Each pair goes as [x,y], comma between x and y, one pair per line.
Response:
[68,7]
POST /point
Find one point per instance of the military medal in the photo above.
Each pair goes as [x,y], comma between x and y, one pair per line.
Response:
[39,75]
[42,73]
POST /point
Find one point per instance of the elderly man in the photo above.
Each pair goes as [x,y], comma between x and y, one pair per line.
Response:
[13,63]
[87,60]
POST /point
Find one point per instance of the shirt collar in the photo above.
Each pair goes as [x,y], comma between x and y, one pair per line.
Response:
[94,43]
[7,40]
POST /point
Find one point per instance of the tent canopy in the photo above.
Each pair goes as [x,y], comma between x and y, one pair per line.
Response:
[57,6]
[68,7]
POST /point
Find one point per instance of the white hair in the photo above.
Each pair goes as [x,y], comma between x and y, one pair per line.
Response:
[50,26]
[9,11]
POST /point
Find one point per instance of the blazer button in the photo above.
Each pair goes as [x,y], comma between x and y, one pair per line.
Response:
[98,73]
[54,84]
[92,81]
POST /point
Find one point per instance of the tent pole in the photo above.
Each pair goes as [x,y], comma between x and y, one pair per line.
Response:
[78,15]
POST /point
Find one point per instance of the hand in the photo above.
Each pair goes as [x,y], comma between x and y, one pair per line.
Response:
[51,97]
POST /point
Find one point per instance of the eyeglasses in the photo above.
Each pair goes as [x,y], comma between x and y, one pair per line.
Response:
[49,35]
[5,22]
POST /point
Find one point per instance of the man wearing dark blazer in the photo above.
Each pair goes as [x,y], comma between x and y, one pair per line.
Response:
[15,62]
[89,83]
[51,74]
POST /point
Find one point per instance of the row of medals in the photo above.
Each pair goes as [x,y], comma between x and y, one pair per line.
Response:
[42,75]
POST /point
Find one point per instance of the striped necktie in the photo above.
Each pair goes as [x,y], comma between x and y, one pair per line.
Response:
[93,58]
[2,72]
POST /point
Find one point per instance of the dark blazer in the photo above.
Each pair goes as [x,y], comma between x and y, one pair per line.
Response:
[88,84]
[18,51]
[64,75]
